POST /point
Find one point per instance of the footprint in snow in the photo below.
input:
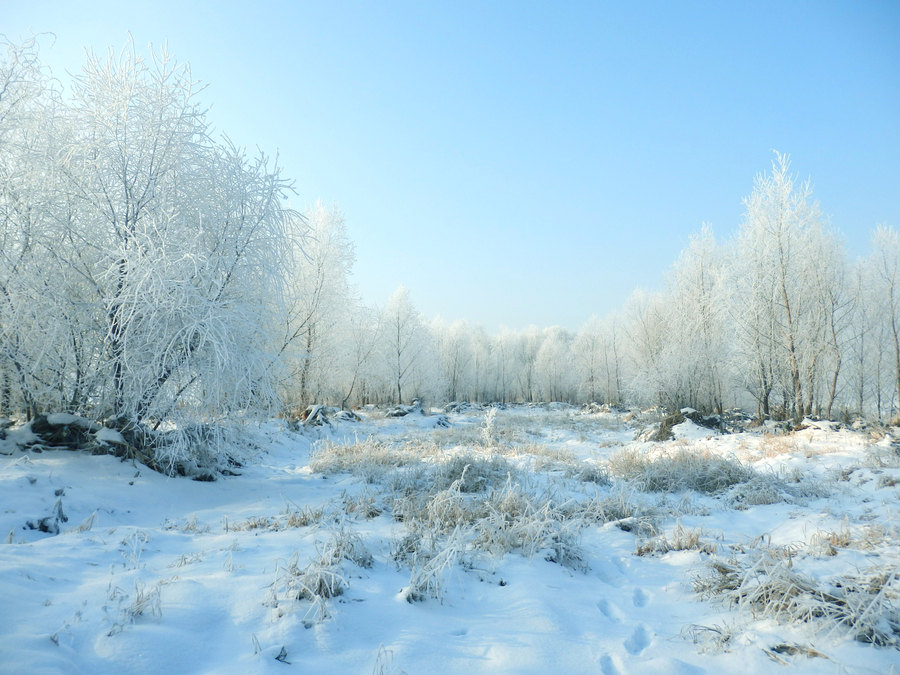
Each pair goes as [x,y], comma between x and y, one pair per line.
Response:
[610,572]
[640,597]
[608,666]
[639,641]
[610,611]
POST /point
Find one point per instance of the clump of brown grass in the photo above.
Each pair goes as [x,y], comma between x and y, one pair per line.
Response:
[304,516]
[828,543]
[680,539]
[364,505]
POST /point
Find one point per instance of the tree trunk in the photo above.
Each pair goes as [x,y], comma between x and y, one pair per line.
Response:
[896,355]
[792,351]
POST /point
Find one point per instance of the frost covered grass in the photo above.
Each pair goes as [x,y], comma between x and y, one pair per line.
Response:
[473,504]
[379,547]
[538,425]
[766,584]
[680,539]
[683,469]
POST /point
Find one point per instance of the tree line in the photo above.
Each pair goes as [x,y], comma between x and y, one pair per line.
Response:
[153,273]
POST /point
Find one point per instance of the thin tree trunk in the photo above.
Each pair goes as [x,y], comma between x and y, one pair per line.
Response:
[795,368]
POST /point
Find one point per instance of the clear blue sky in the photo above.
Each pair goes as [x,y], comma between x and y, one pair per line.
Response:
[531,162]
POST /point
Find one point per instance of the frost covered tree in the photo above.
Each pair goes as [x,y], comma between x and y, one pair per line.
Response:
[646,331]
[696,352]
[454,344]
[554,378]
[483,367]
[361,338]
[44,352]
[186,242]
[596,355]
[885,266]
[407,351]
[147,257]
[502,348]
[776,307]
[589,349]
[23,89]
[524,356]
[864,348]
[832,312]
[318,302]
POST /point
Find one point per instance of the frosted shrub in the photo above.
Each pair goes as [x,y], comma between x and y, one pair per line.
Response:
[146,603]
[588,472]
[680,539]
[678,471]
[827,543]
[344,544]
[446,509]
[322,578]
[428,576]
[475,474]
[710,639]
[621,507]
[357,458]
[364,505]
[760,490]
[303,516]
[319,581]
[767,586]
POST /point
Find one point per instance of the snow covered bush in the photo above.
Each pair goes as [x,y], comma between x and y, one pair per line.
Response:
[321,579]
[765,584]
[142,258]
[676,471]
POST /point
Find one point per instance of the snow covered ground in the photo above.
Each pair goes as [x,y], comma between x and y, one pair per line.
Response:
[526,540]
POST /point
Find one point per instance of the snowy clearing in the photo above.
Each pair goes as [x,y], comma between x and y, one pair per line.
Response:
[518,540]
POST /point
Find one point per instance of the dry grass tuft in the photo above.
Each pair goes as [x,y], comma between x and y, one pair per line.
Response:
[683,469]
[828,543]
[304,516]
[470,473]
[364,505]
[710,639]
[767,586]
[680,539]
[252,523]
[322,578]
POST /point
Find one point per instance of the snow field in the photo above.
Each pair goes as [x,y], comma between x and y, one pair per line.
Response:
[518,540]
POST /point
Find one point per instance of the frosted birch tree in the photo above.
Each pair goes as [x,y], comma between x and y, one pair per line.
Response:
[832,313]
[696,352]
[646,332]
[776,307]
[553,367]
[34,343]
[318,300]
[361,338]
[408,352]
[885,265]
[454,343]
[589,350]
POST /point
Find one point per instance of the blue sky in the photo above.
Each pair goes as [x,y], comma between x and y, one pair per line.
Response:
[518,163]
